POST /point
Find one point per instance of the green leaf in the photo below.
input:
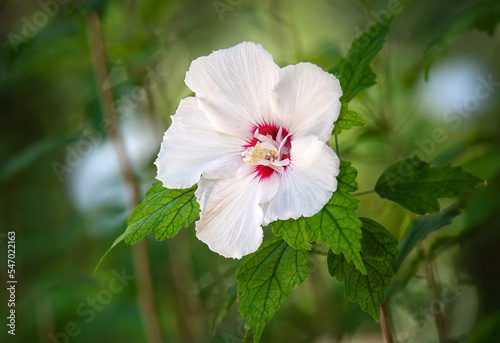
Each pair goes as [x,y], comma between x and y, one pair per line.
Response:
[338,226]
[266,278]
[421,228]
[299,232]
[485,204]
[379,247]
[164,211]
[354,71]
[347,178]
[416,186]
[293,231]
[346,120]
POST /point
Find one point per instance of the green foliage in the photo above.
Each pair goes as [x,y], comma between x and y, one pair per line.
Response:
[355,73]
[485,204]
[379,247]
[51,104]
[164,211]
[346,180]
[483,16]
[416,186]
[421,228]
[486,330]
[266,278]
[347,119]
[339,227]
[294,232]
[336,224]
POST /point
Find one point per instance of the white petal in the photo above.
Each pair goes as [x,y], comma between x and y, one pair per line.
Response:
[306,99]
[272,165]
[283,163]
[268,146]
[307,183]
[234,86]
[231,218]
[245,169]
[263,138]
[191,147]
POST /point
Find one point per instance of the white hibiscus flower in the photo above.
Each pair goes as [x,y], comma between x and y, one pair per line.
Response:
[254,138]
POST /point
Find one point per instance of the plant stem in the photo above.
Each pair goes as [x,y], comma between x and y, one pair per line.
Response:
[246,339]
[139,250]
[439,317]
[384,324]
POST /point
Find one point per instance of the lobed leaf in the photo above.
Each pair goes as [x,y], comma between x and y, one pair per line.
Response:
[355,73]
[346,120]
[416,186]
[420,228]
[164,211]
[346,180]
[379,247]
[293,232]
[266,278]
[336,224]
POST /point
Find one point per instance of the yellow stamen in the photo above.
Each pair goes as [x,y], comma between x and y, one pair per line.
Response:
[256,154]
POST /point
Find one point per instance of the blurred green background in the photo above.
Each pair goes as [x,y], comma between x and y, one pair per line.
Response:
[62,191]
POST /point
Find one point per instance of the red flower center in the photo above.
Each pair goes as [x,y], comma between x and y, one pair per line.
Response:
[268,150]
